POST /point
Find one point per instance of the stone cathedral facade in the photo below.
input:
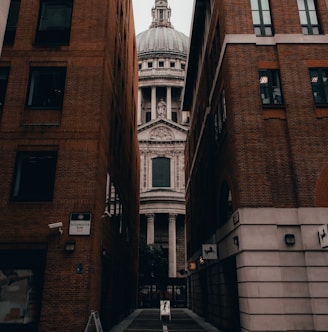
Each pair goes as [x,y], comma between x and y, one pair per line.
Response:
[162,129]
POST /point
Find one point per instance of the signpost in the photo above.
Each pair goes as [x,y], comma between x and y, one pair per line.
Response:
[94,323]
[165,309]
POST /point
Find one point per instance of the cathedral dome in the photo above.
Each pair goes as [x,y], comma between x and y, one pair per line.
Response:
[162,40]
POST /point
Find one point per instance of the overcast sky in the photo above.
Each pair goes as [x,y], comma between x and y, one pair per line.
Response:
[181,11]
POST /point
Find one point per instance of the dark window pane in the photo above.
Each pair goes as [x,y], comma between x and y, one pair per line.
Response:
[34,176]
[270,87]
[12,22]
[161,172]
[4,72]
[319,82]
[46,88]
[54,22]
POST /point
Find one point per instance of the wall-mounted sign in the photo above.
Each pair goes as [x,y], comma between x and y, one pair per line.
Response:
[80,224]
[323,236]
[235,218]
[209,251]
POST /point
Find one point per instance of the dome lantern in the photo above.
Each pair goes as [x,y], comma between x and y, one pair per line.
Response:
[161,14]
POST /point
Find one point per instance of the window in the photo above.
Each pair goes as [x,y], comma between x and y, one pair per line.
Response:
[22,278]
[174,116]
[226,207]
[12,22]
[183,66]
[161,64]
[4,72]
[46,87]
[319,81]
[220,116]
[34,176]
[270,87]
[150,65]
[172,64]
[308,17]
[54,22]
[161,172]
[148,116]
[261,17]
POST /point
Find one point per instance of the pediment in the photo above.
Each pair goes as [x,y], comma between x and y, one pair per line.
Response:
[162,130]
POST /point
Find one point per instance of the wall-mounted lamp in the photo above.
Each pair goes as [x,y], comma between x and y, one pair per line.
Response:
[192,266]
[236,241]
[289,239]
[70,246]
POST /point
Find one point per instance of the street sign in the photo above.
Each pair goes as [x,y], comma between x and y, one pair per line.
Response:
[165,309]
[323,236]
[209,251]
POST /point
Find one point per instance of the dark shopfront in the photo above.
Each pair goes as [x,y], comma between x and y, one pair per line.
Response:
[152,290]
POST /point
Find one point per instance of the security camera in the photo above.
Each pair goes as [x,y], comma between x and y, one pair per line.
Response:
[56,225]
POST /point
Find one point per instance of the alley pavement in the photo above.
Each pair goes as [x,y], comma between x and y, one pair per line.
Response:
[148,320]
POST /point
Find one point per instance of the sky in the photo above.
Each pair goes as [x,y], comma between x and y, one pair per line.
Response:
[181,12]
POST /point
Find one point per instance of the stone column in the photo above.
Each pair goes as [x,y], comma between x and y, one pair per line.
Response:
[169,103]
[153,102]
[172,246]
[150,228]
[139,106]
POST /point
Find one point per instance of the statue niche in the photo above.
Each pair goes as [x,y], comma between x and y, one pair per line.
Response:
[161,109]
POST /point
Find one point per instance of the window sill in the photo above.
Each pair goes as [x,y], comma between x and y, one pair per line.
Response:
[321,111]
[41,117]
[274,113]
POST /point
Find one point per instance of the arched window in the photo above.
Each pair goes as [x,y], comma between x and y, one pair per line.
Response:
[161,172]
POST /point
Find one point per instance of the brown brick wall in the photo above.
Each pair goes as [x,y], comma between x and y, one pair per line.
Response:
[96,118]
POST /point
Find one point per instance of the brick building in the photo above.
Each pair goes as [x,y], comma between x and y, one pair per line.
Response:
[69,165]
[257,164]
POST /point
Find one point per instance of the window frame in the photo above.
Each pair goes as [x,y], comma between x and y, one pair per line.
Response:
[305,20]
[32,97]
[320,85]
[11,26]
[29,183]
[4,72]
[268,90]
[220,116]
[51,34]
[262,29]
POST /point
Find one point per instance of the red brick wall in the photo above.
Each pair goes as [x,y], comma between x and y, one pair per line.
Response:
[97,115]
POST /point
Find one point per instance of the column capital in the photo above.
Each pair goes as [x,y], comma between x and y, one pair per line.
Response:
[172,217]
